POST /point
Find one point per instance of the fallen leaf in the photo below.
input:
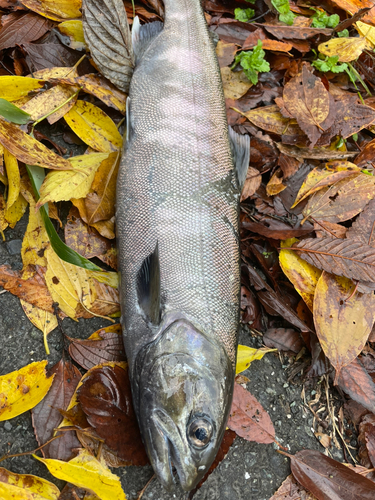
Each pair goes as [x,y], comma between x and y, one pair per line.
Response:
[252,182]
[94,127]
[16,211]
[276,229]
[85,471]
[347,257]
[284,339]
[225,53]
[296,33]
[102,346]
[63,185]
[343,323]
[105,397]
[367,31]
[300,273]
[47,417]
[50,55]
[105,227]
[325,176]
[270,119]
[275,184]
[367,435]
[315,153]
[353,6]
[248,418]
[23,389]
[341,201]
[235,83]
[26,487]
[13,175]
[73,30]
[363,227]
[357,383]
[348,49]
[45,321]
[23,27]
[327,479]
[246,355]
[365,158]
[291,490]
[15,87]
[57,10]
[35,240]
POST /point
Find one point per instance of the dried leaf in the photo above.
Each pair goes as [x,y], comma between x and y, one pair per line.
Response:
[246,355]
[366,156]
[16,211]
[291,490]
[355,381]
[35,240]
[58,10]
[73,30]
[275,184]
[276,229]
[235,83]
[46,415]
[23,389]
[26,487]
[102,346]
[14,179]
[15,87]
[252,182]
[23,27]
[315,153]
[85,471]
[303,275]
[94,127]
[225,53]
[270,119]
[106,227]
[348,49]
[284,339]
[297,33]
[45,321]
[367,435]
[248,418]
[343,323]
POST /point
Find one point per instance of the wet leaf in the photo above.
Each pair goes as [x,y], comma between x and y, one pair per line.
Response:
[46,415]
[16,211]
[45,321]
[321,177]
[327,479]
[235,83]
[246,355]
[94,127]
[74,31]
[343,323]
[105,397]
[248,418]
[15,87]
[342,201]
[275,184]
[23,27]
[106,228]
[270,119]
[58,186]
[85,471]
[23,389]
[367,436]
[35,240]
[102,346]
[355,381]
[12,113]
[347,257]
[252,182]
[271,228]
[366,156]
[26,487]
[315,153]
[348,49]
[291,490]
[13,175]
[363,227]
[225,53]
[284,339]
[55,9]
[303,275]
[295,32]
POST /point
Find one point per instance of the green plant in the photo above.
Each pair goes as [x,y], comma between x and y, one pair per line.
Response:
[322,20]
[343,33]
[325,64]
[283,8]
[243,15]
[252,62]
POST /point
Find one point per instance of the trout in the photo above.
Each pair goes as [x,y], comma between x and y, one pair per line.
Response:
[177,216]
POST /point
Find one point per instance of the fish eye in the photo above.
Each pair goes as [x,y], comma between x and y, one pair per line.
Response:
[200,432]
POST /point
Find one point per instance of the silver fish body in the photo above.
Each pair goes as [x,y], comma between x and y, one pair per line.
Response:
[178,240]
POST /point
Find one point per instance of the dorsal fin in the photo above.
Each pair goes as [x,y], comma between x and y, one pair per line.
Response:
[240,145]
[143,35]
[148,287]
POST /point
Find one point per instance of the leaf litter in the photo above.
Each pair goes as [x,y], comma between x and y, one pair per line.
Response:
[299,82]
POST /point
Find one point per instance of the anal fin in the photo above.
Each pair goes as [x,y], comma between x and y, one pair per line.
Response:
[240,145]
[148,287]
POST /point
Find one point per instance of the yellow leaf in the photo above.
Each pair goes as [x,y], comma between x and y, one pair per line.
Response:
[35,240]
[275,184]
[45,321]
[348,49]
[326,176]
[107,277]
[94,127]
[85,471]
[26,487]
[16,211]
[367,31]
[235,83]
[63,185]
[246,355]
[104,227]
[302,275]
[52,73]
[74,30]
[13,174]
[3,222]
[27,149]
[15,87]
[23,389]
[270,119]
[58,10]
[342,321]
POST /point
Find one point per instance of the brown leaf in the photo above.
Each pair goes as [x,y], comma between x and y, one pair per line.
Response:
[365,159]
[291,490]
[357,383]
[33,290]
[367,435]
[23,27]
[275,184]
[363,228]
[284,339]
[106,399]
[296,33]
[225,53]
[288,165]
[327,479]
[315,153]
[306,99]
[51,55]
[105,227]
[348,257]
[342,201]
[276,229]
[252,182]
[249,419]
[46,415]
[102,346]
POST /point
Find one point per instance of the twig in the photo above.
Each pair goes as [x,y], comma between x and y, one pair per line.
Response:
[5,457]
[145,487]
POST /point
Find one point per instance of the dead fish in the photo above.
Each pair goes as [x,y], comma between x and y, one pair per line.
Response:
[177,211]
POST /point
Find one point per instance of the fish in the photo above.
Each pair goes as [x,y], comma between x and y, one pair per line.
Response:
[177,219]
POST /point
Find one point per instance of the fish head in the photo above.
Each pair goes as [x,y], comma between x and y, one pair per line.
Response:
[184,393]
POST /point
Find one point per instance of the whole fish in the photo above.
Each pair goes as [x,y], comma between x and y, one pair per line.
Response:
[177,210]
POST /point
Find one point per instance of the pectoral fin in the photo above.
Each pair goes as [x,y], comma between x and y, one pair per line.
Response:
[148,287]
[107,34]
[142,36]
[240,145]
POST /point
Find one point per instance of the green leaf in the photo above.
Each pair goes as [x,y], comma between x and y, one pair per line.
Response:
[283,7]
[330,64]
[322,20]
[343,33]
[12,113]
[243,15]
[252,62]
[287,18]
[250,1]
[65,253]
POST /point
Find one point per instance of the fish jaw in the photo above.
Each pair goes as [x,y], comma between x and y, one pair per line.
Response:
[182,378]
